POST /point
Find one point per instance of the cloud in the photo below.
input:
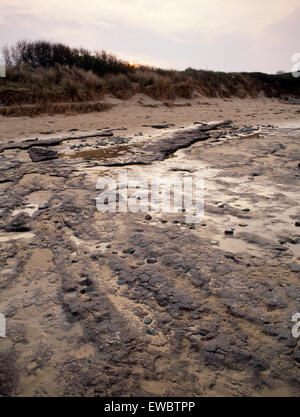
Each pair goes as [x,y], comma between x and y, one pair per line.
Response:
[217,34]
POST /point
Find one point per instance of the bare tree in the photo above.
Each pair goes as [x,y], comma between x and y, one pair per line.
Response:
[7,56]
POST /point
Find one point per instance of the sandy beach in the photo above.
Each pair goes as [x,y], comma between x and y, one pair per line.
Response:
[134,113]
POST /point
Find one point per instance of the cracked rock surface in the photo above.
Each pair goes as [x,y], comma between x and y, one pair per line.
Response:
[108,304]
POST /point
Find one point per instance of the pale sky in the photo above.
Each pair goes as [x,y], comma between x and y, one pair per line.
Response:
[225,35]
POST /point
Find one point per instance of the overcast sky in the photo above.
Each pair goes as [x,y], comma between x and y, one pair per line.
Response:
[225,35]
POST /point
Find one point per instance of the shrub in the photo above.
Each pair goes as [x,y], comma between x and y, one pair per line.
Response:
[44,72]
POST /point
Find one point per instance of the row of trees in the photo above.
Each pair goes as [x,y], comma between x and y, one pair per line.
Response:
[48,54]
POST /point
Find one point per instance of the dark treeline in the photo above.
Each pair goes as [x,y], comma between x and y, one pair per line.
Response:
[47,54]
[56,72]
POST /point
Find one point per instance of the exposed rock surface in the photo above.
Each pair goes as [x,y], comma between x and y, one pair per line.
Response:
[41,154]
[79,291]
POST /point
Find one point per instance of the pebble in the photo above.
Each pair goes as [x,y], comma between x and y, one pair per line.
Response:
[151,260]
[121,282]
[148,217]
[229,232]
[148,320]
[151,332]
[281,248]
[130,250]
[43,206]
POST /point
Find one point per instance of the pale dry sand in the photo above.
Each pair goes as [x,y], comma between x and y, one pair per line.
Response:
[134,113]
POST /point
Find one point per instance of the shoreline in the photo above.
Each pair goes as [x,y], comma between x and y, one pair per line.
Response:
[130,115]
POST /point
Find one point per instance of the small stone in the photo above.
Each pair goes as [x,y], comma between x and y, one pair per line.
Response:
[43,206]
[281,248]
[229,232]
[148,217]
[120,282]
[20,223]
[108,246]
[229,255]
[165,319]
[151,260]
[148,320]
[130,251]
[151,332]
[246,209]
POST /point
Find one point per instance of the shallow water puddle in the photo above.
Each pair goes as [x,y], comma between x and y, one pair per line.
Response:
[99,246]
[29,209]
[295,249]
[103,153]
[7,237]
[230,244]
[38,197]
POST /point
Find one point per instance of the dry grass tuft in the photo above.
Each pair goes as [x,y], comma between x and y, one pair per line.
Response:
[32,110]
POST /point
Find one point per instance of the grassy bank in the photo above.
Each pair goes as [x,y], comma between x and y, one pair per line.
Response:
[40,73]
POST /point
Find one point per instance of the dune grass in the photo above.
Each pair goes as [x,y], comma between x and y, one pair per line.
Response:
[43,72]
